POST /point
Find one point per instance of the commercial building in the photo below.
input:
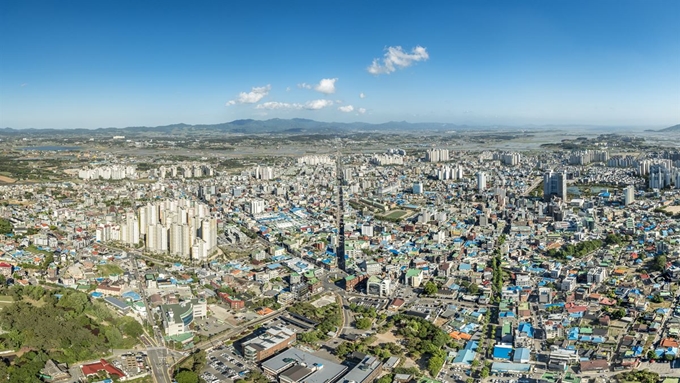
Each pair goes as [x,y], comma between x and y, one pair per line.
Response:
[554,184]
[273,340]
[378,286]
[178,317]
[297,366]
[366,371]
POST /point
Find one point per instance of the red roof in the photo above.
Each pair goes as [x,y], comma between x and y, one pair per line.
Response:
[5,264]
[397,302]
[102,365]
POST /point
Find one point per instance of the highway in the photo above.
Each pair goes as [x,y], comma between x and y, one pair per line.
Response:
[534,185]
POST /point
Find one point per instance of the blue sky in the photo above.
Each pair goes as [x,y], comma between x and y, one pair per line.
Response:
[89,64]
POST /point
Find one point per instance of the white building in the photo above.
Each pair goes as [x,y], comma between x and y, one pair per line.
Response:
[568,284]
[596,275]
[437,155]
[481,181]
[628,195]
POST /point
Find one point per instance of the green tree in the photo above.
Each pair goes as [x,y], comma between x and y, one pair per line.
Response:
[186,376]
[484,373]
[660,262]
[5,226]
[434,365]
[363,323]
[430,288]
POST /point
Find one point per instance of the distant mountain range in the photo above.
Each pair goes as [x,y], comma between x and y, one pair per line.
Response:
[674,128]
[294,126]
[276,125]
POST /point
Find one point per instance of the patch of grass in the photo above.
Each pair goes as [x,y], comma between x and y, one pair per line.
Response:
[395,214]
[33,249]
[108,269]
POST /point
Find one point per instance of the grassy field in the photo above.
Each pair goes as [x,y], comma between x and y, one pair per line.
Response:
[5,301]
[108,269]
[395,214]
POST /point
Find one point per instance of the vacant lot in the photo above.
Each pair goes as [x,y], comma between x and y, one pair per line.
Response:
[7,180]
[387,337]
[672,209]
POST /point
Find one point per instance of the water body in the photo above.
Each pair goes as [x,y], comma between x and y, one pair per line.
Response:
[53,148]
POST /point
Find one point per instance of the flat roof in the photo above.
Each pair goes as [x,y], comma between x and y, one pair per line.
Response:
[328,373]
[515,367]
[362,370]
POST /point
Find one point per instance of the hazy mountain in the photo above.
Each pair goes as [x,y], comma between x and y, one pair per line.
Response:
[272,126]
[674,128]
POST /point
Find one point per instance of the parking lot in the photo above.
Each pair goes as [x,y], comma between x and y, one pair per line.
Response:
[225,364]
[211,325]
[376,303]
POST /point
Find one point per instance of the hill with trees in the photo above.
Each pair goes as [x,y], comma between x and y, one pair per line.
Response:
[59,324]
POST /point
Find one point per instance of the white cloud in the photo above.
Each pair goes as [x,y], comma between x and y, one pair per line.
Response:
[309,105]
[271,105]
[346,109]
[256,94]
[317,104]
[326,86]
[362,95]
[396,58]
[361,110]
[287,89]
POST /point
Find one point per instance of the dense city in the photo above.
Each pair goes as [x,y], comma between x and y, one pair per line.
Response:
[422,265]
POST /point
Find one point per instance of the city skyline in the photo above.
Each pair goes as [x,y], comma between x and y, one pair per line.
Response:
[91,65]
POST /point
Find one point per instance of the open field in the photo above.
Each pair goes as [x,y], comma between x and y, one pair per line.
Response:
[395,214]
[108,269]
[672,209]
[387,337]
[7,180]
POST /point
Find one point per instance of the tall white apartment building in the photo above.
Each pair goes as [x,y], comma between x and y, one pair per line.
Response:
[481,181]
[437,155]
[628,195]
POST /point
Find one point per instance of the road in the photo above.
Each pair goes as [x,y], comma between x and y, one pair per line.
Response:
[537,181]
[158,361]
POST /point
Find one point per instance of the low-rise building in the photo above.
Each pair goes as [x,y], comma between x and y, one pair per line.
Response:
[272,341]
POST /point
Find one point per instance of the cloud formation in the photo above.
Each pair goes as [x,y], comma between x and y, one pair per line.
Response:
[361,110]
[317,104]
[326,86]
[362,95]
[346,108]
[309,105]
[272,105]
[255,95]
[396,58]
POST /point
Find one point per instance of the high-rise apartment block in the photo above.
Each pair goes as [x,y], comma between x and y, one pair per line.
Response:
[437,155]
